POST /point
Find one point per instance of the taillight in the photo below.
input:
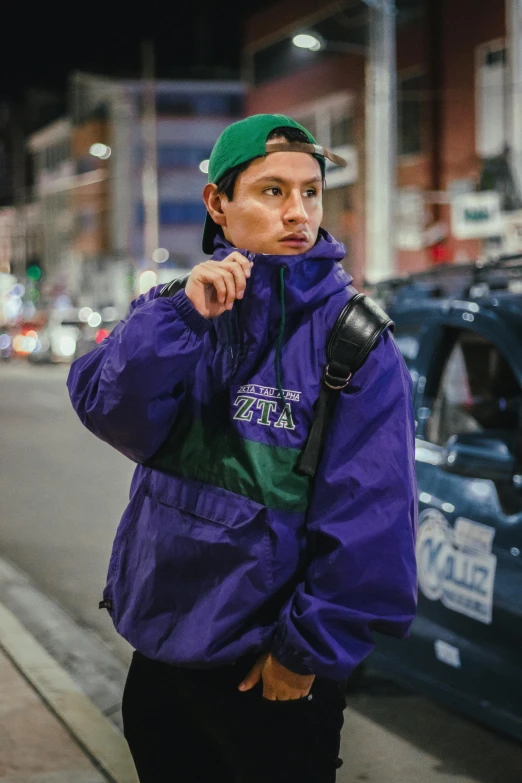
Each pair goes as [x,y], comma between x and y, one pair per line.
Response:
[101,334]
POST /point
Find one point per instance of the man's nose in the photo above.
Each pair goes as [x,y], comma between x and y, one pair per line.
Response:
[295,209]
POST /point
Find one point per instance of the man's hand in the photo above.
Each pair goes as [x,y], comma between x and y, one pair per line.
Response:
[213,286]
[279,683]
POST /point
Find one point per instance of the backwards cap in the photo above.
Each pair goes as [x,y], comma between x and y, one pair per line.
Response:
[247,139]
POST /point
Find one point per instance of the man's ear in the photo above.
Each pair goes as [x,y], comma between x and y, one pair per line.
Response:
[214,203]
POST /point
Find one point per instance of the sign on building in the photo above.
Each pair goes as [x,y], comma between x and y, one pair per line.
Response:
[476,215]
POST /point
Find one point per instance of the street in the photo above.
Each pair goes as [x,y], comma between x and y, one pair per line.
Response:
[61,496]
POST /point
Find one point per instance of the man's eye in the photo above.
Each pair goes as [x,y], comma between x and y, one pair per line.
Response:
[273,191]
[311,192]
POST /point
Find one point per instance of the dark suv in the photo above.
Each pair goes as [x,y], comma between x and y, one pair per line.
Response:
[459,328]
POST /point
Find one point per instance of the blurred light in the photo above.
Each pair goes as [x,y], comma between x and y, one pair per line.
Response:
[63,302]
[29,343]
[147,280]
[109,314]
[34,272]
[203,166]
[5,342]
[101,334]
[17,343]
[34,295]
[29,310]
[32,333]
[12,307]
[131,282]
[17,290]
[307,41]
[101,151]
[94,319]
[160,255]
[67,345]
[84,314]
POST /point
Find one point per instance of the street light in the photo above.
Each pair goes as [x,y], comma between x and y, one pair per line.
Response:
[101,151]
[307,41]
[160,255]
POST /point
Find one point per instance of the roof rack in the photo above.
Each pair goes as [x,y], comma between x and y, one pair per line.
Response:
[452,281]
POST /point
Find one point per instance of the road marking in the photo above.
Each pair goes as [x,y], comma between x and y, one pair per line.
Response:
[93,731]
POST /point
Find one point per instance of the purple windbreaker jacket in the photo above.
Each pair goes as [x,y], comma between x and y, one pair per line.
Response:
[225,548]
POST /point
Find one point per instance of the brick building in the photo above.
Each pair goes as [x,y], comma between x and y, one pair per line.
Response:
[459,111]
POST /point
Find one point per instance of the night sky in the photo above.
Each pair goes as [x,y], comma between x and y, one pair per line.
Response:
[43,42]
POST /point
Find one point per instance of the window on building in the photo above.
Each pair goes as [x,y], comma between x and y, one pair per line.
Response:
[329,120]
[341,128]
[176,212]
[410,98]
[491,81]
[182,157]
[199,104]
[86,219]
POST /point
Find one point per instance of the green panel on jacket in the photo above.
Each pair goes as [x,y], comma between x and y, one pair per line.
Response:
[265,474]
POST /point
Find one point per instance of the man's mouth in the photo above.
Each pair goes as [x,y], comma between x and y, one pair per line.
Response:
[295,240]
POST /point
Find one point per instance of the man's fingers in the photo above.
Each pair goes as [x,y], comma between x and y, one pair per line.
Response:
[239,275]
[211,273]
[228,279]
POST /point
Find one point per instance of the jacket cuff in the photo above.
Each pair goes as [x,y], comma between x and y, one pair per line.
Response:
[192,317]
[287,656]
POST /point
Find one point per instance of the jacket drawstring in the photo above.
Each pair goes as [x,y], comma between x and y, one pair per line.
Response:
[279,346]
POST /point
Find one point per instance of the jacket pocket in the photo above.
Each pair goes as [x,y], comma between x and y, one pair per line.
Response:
[192,572]
[120,541]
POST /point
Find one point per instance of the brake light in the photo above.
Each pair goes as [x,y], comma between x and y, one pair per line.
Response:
[101,334]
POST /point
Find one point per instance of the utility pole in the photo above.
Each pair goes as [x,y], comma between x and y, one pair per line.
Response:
[150,156]
[381,140]
[513,95]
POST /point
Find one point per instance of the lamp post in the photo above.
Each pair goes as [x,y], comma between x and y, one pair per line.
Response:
[381,130]
[150,160]
[381,140]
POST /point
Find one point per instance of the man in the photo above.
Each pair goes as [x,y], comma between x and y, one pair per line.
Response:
[249,592]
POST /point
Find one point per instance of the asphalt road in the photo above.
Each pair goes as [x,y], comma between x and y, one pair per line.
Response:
[62,493]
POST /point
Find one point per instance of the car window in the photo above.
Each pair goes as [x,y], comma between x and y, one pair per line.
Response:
[407,339]
[478,391]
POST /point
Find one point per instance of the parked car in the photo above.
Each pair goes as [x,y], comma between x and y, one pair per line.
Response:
[56,341]
[459,329]
[91,337]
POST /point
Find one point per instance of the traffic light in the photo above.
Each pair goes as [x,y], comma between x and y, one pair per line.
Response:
[34,274]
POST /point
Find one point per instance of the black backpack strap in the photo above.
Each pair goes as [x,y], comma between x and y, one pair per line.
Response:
[174,286]
[353,336]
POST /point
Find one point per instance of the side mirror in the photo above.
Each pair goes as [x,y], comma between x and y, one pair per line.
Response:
[480,455]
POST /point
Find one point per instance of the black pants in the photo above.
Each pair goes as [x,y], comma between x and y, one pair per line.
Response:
[195,726]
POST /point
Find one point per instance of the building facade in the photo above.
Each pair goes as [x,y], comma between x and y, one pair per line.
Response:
[122,168]
[459,118]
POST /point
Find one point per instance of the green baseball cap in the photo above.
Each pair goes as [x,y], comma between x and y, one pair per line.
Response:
[247,139]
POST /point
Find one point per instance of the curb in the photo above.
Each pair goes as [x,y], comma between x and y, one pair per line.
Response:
[95,733]
[78,650]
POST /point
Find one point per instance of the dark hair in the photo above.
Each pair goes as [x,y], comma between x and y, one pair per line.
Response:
[227,183]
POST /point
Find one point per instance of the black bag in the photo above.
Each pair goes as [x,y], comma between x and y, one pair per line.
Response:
[353,336]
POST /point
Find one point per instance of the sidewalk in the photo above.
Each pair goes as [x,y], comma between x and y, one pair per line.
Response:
[34,746]
[50,731]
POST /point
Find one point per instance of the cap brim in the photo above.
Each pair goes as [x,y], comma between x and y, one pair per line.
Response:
[209,232]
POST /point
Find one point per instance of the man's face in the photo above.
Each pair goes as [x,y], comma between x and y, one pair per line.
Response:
[277,206]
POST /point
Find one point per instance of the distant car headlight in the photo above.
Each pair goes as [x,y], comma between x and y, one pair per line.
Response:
[67,345]
[29,344]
